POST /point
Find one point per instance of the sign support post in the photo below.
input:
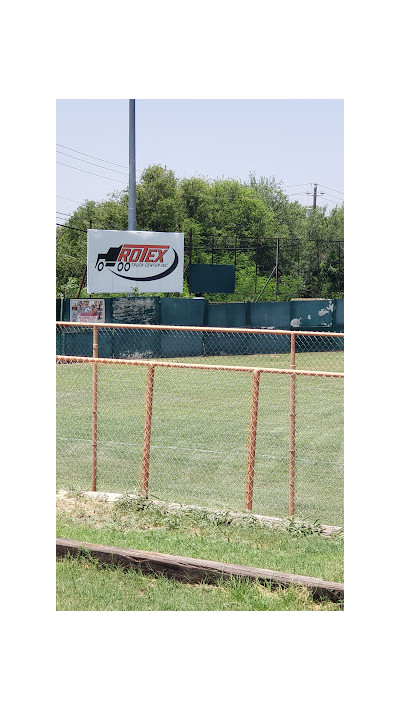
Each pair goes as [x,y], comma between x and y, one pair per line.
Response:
[132,168]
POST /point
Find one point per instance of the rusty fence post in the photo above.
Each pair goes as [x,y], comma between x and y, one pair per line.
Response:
[94,409]
[147,430]
[292,416]
[252,439]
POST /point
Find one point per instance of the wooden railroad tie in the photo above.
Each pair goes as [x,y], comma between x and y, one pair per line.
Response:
[196,570]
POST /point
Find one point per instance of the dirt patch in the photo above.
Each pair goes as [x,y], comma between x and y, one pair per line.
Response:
[80,507]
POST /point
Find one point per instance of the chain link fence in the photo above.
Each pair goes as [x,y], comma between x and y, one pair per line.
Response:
[265,348]
[222,418]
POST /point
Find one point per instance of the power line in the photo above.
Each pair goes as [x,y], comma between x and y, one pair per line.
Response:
[334,196]
[89,156]
[333,189]
[119,165]
[329,200]
[298,185]
[67,227]
[70,199]
[103,160]
[106,177]
[79,229]
[103,167]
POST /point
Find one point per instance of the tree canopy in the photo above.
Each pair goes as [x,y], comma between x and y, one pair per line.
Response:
[247,216]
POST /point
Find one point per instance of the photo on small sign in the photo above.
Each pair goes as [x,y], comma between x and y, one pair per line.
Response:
[87,310]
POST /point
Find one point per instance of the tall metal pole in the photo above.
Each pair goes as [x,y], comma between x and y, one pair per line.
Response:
[132,168]
[255,285]
[277,267]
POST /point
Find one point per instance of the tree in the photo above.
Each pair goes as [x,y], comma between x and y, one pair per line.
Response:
[222,215]
[157,200]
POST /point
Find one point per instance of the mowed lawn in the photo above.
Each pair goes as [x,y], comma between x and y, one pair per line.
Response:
[200,431]
[84,584]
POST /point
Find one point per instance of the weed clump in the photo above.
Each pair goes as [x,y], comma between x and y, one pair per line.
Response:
[303,528]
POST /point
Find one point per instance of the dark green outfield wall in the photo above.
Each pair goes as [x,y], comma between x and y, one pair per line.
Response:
[300,315]
[304,315]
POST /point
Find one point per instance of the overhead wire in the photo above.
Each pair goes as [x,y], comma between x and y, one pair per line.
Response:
[90,156]
[70,199]
[298,185]
[311,183]
[329,200]
[103,160]
[119,165]
[106,177]
[340,199]
[122,166]
[103,167]
[78,229]
[333,189]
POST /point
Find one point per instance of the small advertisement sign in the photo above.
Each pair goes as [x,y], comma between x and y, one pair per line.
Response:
[120,261]
[87,310]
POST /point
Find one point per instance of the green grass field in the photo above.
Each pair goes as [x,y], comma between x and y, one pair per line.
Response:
[200,430]
[84,584]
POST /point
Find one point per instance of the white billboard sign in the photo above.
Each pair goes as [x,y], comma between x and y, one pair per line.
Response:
[119,260]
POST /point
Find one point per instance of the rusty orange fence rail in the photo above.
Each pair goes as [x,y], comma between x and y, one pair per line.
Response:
[199,444]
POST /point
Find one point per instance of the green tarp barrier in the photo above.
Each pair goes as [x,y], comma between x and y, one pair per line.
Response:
[314,315]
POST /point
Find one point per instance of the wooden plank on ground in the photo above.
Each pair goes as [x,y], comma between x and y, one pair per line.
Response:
[195,569]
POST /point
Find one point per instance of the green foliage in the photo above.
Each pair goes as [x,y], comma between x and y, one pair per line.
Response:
[301,528]
[157,200]
[254,212]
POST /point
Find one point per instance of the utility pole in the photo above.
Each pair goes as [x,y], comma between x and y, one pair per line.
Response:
[132,168]
[315,193]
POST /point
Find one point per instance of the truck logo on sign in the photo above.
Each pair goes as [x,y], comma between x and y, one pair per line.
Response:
[121,258]
[121,261]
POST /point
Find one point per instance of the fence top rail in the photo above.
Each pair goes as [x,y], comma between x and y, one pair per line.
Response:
[208,329]
[196,366]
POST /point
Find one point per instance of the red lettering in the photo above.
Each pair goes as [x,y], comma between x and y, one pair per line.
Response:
[135,254]
[124,254]
[150,255]
[161,253]
[143,254]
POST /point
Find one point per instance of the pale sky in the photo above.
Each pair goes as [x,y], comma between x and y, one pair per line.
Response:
[299,142]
